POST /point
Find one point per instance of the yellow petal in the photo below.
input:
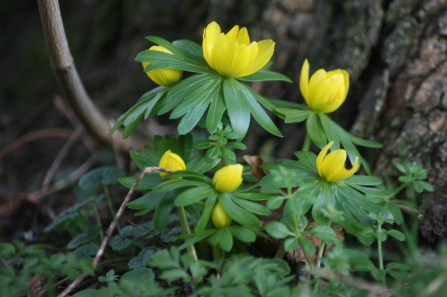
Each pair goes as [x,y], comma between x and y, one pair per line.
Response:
[160,49]
[210,35]
[232,34]
[220,218]
[327,97]
[314,85]
[171,161]
[333,163]
[321,157]
[228,178]
[304,80]
[230,59]
[243,37]
[164,77]
[344,173]
[265,53]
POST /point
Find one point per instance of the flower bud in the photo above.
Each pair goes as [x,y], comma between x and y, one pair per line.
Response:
[171,161]
[325,92]
[165,76]
[228,178]
[331,166]
[220,218]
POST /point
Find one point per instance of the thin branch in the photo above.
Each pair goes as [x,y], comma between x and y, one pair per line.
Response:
[69,80]
[60,156]
[45,133]
[113,226]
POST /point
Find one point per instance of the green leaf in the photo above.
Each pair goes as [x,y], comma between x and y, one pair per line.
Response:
[143,258]
[225,239]
[278,230]
[251,195]
[216,109]
[193,195]
[176,184]
[189,46]
[237,105]
[358,260]
[145,158]
[194,106]
[146,203]
[323,232]
[100,176]
[264,75]
[396,234]
[238,213]
[290,244]
[258,112]
[121,240]
[138,275]
[252,206]
[149,181]
[396,212]
[378,274]
[242,233]
[294,115]
[365,142]
[80,239]
[315,130]
[307,246]
[198,237]
[365,180]
[163,210]
[87,251]
[207,211]
[202,164]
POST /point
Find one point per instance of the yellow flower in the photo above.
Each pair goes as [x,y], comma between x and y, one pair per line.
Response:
[331,167]
[326,91]
[164,77]
[172,162]
[232,54]
[228,178]
[220,217]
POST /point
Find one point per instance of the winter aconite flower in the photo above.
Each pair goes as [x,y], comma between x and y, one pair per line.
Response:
[171,161]
[220,218]
[228,178]
[325,92]
[164,77]
[331,167]
[232,55]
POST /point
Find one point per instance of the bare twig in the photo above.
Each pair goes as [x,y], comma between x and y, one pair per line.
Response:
[411,211]
[375,289]
[113,226]
[45,133]
[35,196]
[57,161]
[68,77]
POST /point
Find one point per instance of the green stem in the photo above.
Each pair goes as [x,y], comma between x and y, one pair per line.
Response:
[218,253]
[379,248]
[185,229]
[98,221]
[224,157]
[110,204]
[398,190]
[307,143]
[281,251]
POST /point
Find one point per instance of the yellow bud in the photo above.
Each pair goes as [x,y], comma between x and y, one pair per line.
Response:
[331,166]
[325,92]
[172,162]
[228,178]
[232,54]
[165,76]
[220,217]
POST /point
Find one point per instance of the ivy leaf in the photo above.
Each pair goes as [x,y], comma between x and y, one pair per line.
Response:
[143,258]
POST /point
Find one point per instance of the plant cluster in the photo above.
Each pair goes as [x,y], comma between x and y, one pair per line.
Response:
[222,211]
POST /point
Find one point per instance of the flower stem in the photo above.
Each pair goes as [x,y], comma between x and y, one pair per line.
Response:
[379,250]
[110,204]
[224,157]
[307,143]
[398,190]
[98,221]
[185,229]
